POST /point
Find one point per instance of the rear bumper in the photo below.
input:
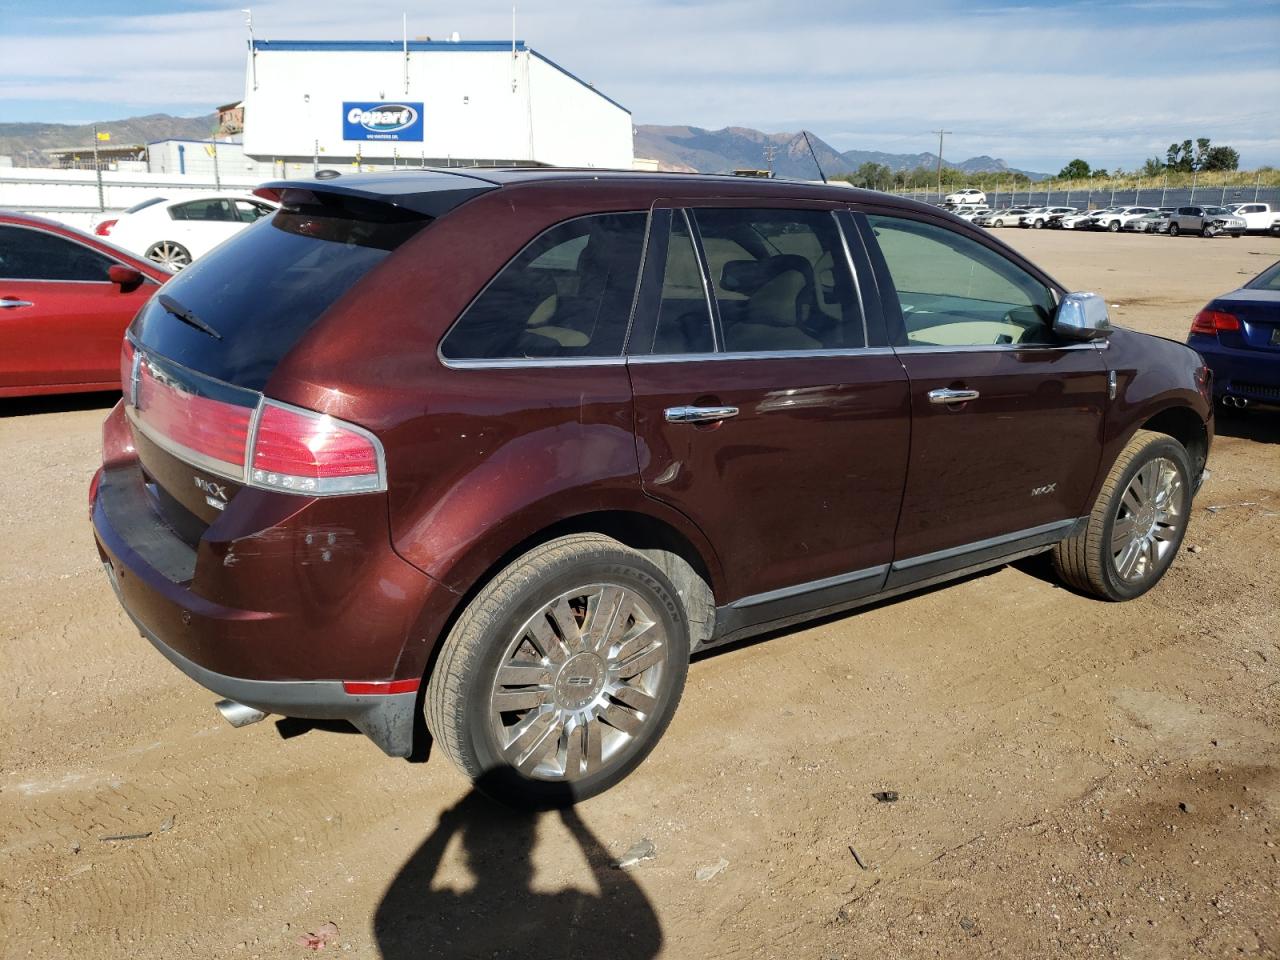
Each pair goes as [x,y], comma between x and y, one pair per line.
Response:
[387,720]
[1254,374]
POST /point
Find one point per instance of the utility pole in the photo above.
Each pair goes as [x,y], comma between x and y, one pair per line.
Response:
[941,134]
[770,151]
[97,167]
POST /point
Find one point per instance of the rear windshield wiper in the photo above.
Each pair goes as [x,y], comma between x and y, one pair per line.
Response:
[186,316]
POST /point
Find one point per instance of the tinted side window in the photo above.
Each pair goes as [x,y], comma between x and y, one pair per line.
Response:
[211,209]
[956,292]
[567,294]
[781,280]
[684,316]
[247,211]
[35,255]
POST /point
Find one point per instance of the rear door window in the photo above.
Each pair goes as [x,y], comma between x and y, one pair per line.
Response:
[567,294]
[781,280]
[215,208]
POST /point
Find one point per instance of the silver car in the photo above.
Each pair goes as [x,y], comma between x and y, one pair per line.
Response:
[1206,221]
[1005,217]
[1155,222]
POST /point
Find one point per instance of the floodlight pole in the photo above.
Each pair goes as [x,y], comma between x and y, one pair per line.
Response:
[941,134]
[97,169]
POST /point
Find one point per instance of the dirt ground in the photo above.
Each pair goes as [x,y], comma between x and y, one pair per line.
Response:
[1074,778]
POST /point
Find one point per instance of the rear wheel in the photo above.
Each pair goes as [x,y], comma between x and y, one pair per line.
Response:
[169,254]
[562,673]
[1136,525]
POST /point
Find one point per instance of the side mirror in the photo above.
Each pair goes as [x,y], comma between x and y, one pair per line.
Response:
[1082,316]
[125,277]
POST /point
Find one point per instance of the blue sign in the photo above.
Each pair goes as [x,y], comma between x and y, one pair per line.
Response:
[382,121]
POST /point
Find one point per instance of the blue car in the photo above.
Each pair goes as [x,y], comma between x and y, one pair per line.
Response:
[1238,334]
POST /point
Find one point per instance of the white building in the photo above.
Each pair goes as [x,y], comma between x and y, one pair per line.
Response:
[205,158]
[425,102]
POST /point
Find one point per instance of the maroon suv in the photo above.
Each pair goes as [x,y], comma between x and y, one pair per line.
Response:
[507,446]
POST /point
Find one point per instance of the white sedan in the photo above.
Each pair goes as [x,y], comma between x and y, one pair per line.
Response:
[971,196]
[172,233]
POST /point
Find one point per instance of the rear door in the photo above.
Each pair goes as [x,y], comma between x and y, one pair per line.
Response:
[203,224]
[768,408]
[1006,419]
[61,319]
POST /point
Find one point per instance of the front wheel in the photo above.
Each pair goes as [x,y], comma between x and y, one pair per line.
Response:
[1208,232]
[1039,224]
[562,674]
[1173,229]
[1136,525]
[998,223]
[1114,226]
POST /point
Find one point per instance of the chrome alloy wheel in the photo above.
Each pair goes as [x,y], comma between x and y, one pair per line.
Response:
[1149,520]
[170,254]
[578,682]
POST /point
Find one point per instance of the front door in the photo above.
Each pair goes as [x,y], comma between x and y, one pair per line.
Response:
[761,412]
[1006,420]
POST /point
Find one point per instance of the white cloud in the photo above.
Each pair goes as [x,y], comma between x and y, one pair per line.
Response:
[1034,85]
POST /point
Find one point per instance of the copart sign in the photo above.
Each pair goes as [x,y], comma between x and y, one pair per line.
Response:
[382,121]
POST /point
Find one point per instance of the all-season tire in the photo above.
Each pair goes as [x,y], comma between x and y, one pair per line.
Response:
[578,721]
[1098,560]
[1113,226]
[1173,230]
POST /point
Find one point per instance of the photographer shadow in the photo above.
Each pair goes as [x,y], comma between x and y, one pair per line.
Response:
[501,916]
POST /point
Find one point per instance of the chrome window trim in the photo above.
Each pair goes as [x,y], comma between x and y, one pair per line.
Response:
[1002,347]
[509,363]
[764,355]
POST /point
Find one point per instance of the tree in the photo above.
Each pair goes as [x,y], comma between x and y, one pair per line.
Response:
[1220,158]
[1077,169]
[1153,167]
[1181,157]
[873,175]
[1202,148]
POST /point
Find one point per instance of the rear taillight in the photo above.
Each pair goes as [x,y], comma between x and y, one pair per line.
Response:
[128,371]
[306,452]
[1212,322]
[255,441]
[104,228]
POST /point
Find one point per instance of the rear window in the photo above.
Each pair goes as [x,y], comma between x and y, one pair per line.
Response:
[144,204]
[263,289]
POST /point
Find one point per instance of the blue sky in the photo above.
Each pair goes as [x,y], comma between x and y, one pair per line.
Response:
[1035,83]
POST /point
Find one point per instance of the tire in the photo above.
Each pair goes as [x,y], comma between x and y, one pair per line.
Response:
[1208,232]
[998,223]
[1091,562]
[575,721]
[169,253]
[1113,226]
[1039,224]
[1173,229]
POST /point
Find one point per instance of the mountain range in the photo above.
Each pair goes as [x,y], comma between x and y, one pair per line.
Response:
[691,149]
[694,149]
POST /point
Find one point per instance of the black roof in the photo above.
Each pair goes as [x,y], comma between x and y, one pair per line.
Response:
[435,190]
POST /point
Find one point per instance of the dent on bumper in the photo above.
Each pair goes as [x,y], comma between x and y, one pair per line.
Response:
[387,720]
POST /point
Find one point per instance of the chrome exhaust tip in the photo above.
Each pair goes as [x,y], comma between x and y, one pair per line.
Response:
[237,714]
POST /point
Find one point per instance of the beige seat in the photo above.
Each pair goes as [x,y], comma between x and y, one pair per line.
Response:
[773,317]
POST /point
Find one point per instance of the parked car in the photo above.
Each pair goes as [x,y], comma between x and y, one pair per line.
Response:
[1206,221]
[1054,221]
[1078,220]
[1000,218]
[1274,229]
[973,214]
[1238,334]
[172,233]
[509,445]
[1115,221]
[65,301]
[1157,221]
[1257,217]
[1038,217]
[969,195]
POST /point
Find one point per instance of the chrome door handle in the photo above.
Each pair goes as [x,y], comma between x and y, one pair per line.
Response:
[698,414]
[9,303]
[945,395]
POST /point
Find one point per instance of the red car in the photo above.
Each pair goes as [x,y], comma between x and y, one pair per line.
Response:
[65,301]
[504,447]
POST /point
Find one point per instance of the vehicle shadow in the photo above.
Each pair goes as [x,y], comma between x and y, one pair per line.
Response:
[58,403]
[1261,425]
[501,915]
